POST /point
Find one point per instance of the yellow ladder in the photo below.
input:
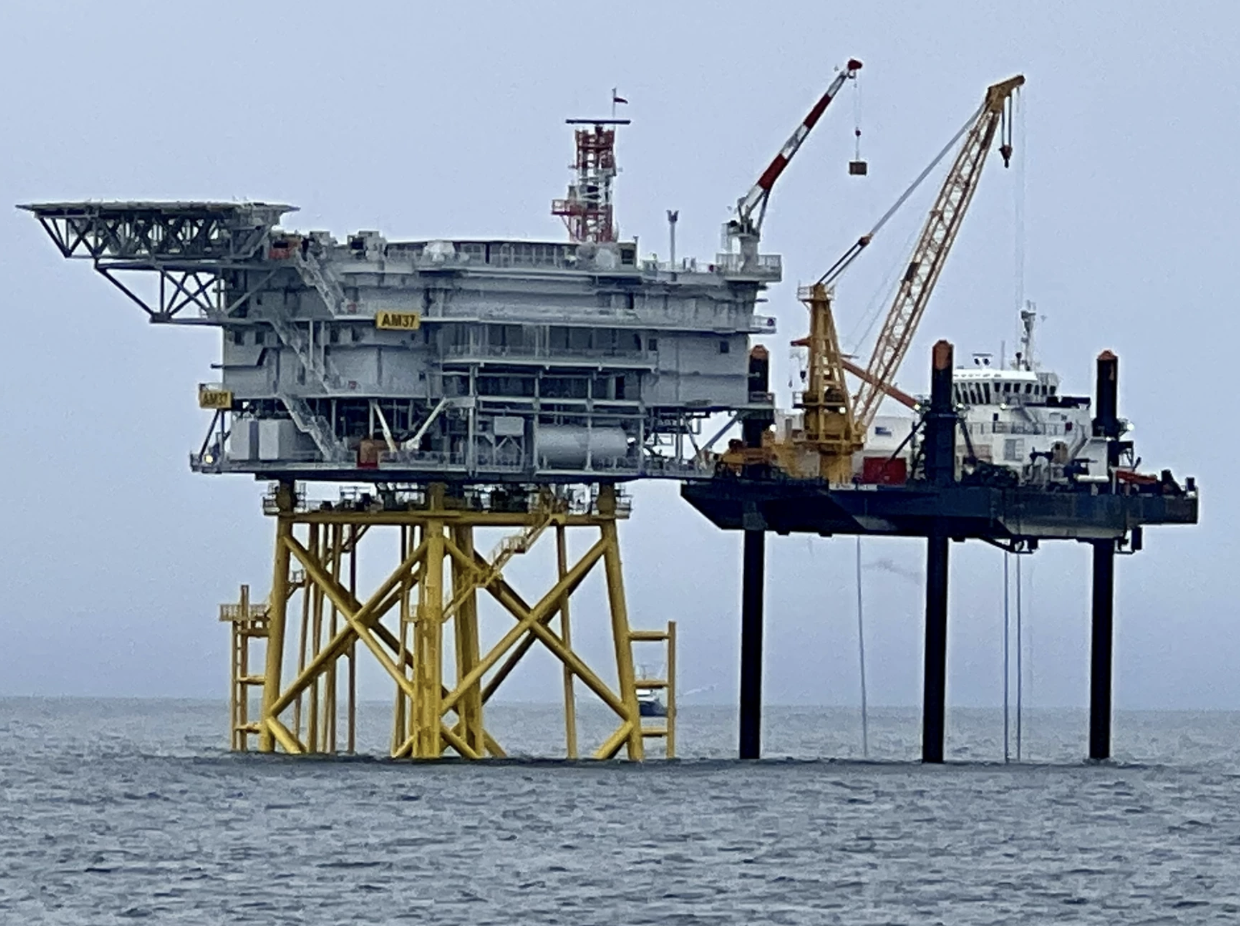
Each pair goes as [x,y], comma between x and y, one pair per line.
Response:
[248,622]
[667,729]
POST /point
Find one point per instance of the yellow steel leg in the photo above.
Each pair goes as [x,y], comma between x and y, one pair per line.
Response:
[331,682]
[304,644]
[620,619]
[400,713]
[316,732]
[570,702]
[465,624]
[671,690]
[351,747]
[276,613]
[428,668]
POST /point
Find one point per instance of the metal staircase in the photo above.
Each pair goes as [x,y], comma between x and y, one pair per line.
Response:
[311,270]
[316,363]
[294,336]
[318,427]
[504,551]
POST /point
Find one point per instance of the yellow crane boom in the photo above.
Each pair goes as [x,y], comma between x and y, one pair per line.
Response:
[937,237]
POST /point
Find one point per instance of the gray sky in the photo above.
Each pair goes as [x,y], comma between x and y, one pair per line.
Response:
[449,122]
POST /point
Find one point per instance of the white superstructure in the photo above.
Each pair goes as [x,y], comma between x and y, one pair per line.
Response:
[1014,418]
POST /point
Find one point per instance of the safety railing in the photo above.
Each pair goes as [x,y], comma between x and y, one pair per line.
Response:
[543,352]
[765,266]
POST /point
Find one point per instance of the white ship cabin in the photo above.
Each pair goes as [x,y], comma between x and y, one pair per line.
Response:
[983,385]
[1014,415]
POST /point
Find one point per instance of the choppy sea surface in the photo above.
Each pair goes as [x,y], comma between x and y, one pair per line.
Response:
[120,811]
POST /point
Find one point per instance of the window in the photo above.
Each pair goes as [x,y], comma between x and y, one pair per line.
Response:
[333,335]
[652,344]
[355,333]
[725,347]
[260,337]
[238,336]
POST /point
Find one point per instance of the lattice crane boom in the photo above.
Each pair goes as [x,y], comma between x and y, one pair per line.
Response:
[933,246]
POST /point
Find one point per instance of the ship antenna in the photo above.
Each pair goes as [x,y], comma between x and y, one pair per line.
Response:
[1028,318]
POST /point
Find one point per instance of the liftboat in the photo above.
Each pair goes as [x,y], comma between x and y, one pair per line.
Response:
[1014,421]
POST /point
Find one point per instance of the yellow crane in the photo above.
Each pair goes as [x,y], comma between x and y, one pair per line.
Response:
[835,423]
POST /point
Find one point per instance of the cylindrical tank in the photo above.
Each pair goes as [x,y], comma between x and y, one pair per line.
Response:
[566,446]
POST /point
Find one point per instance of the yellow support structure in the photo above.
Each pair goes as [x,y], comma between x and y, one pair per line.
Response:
[438,578]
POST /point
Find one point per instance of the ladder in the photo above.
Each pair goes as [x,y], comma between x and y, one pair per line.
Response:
[666,730]
[249,623]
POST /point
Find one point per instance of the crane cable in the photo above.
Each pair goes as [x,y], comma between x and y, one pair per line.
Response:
[851,254]
[1019,668]
[1007,660]
[865,716]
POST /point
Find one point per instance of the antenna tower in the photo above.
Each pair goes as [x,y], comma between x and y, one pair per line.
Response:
[587,211]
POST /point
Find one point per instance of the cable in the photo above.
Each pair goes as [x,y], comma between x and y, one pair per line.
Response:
[1007,670]
[1019,675]
[1019,208]
[865,718]
[857,118]
[840,265]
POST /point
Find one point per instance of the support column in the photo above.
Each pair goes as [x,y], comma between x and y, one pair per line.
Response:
[566,634]
[428,636]
[276,609]
[934,695]
[465,623]
[940,471]
[1100,650]
[620,631]
[753,578]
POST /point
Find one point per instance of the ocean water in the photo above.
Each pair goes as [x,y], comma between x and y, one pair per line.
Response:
[123,811]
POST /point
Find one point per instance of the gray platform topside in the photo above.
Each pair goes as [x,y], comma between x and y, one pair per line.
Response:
[530,361]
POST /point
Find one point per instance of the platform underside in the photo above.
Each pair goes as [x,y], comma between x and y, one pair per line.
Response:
[980,512]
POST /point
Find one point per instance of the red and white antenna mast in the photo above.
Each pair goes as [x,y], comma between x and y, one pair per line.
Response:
[587,211]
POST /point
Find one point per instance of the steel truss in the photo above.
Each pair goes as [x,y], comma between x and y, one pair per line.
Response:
[190,246]
[433,590]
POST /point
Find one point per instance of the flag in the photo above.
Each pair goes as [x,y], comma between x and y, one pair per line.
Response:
[615,98]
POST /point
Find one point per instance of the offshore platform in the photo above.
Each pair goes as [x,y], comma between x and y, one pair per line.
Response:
[504,384]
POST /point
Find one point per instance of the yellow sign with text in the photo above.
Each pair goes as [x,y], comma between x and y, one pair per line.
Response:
[398,321]
[215,398]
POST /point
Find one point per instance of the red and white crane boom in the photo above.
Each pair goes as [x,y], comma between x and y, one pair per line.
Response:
[751,208]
